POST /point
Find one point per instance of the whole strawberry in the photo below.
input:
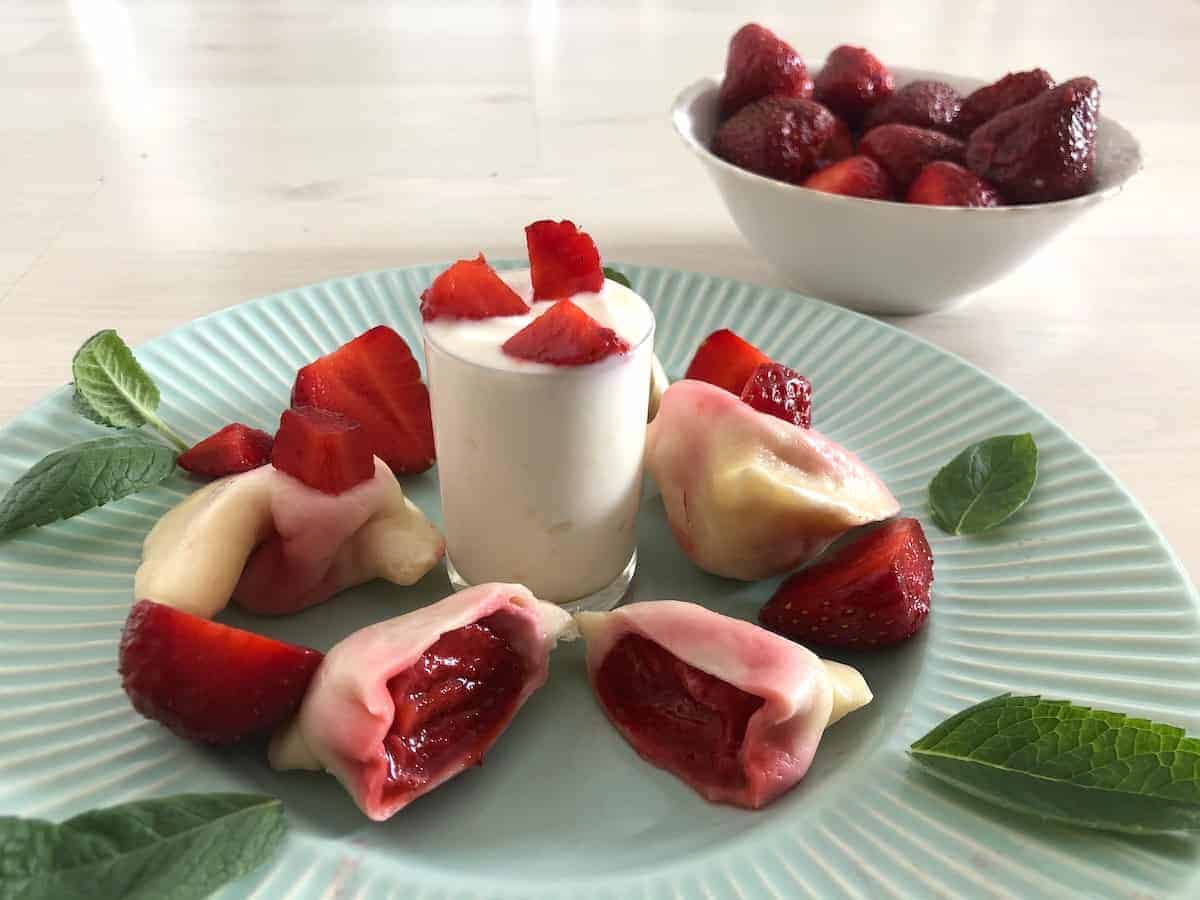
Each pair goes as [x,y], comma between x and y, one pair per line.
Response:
[945,183]
[782,137]
[904,150]
[1044,149]
[870,593]
[990,100]
[760,64]
[926,104]
[852,81]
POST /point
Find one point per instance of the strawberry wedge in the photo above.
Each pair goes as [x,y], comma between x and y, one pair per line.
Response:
[563,261]
[726,360]
[470,289]
[564,335]
[323,449]
[234,449]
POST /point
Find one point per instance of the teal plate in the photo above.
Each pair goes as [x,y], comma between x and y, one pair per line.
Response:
[1078,596]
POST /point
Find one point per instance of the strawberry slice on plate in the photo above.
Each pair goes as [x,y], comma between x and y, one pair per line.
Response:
[234,449]
[871,592]
[563,261]
[781,392]
[470,289]
[564,335]
[322,449]
[375,381]
[726,360]
[206,681]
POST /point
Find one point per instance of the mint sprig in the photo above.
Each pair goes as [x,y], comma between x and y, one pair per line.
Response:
[170,848]
[616,275]
[112,388]
[84,476]
[1069,763]
[985,484]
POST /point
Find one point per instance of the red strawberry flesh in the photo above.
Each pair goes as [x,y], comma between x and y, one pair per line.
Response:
[563,260]
[676,716]
[323,449]
[786,138]
[726,360]
[470,289]
[781,392]
[857,176]
[564,335]
[945,183]
[990,100]
[375,381]
[451,705]
[234,449]
[871,592]
[852,81]
[904,150]
[760,64]
[925,104]
[206,681]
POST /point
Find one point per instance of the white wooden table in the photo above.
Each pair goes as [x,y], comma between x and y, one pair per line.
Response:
[162,159]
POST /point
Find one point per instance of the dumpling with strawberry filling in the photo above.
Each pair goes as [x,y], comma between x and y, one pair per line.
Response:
[731,709]
[748,494]
[404,705]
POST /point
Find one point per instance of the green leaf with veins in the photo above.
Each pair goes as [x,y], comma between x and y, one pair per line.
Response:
[616,275]
[1069,763]
[112,388]
[985,484]
[169,848]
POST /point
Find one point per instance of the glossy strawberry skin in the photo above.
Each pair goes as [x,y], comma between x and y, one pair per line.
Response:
[759,64]
[563,260]
[374,380]
[1044,149]
[925,104]
[989,101]
[234,449]
[855,176]
[780,392]
[872,592]
[904,150]
[208,682]
[470,289]
[564,335]
[945,183]
[786,138]
[726,360]
[852,81]
[323,449]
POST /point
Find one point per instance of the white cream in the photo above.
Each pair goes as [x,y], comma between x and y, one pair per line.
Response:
[540,466]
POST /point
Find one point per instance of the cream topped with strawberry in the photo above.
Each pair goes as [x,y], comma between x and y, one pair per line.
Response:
[539,416]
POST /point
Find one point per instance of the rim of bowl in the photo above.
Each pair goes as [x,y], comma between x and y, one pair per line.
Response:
[682,120]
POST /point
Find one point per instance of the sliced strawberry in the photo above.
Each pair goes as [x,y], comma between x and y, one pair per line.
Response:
[470,289]
[206,681]
[869,593]
[323,449]
[564,335]
[781,392]
[235,448]
[989,101]
[375,381]
[786,138]
[904,150]
[925,104]
[563,261]
[852,81]
[726,360]
[858,176]
[948,184]
[760,64]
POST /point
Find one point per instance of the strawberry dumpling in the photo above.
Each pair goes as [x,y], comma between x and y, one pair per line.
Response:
[749,495]
[276,545]
[404,705]
[730,708]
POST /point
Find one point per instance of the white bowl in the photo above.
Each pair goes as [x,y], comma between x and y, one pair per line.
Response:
[875,256]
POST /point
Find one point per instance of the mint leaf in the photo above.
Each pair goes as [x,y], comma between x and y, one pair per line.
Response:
[1069,763]
[617,276]
[985,484]
[83,476]
[169,848]
[112,388]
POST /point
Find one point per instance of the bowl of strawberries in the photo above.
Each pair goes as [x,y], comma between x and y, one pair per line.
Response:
[896,190]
